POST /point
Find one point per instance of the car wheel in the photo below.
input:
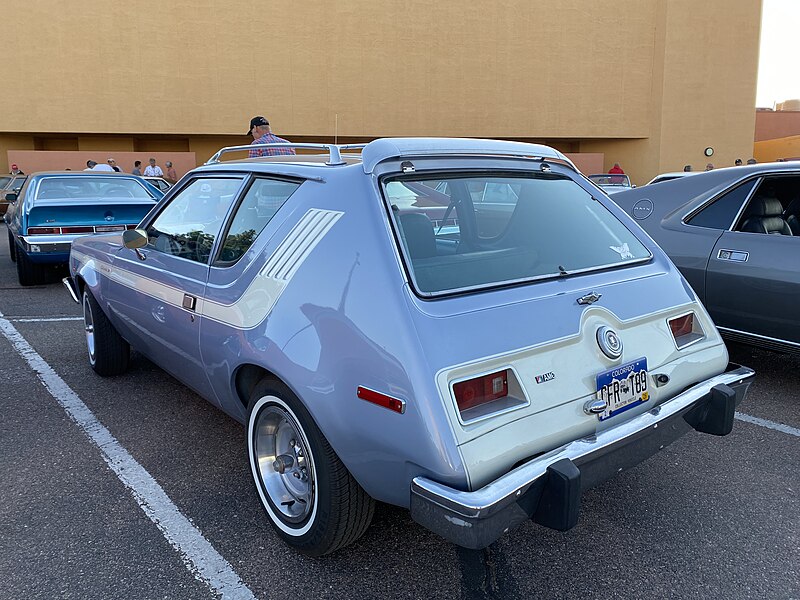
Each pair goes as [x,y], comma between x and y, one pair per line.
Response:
[312,500]
[109,354]
[12,247]
[28,272]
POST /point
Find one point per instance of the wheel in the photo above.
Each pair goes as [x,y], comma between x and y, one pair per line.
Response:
[12,247]
[311,499]
[109,354]
[28,272]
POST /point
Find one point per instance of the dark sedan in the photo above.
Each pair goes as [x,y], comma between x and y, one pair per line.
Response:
[735,235]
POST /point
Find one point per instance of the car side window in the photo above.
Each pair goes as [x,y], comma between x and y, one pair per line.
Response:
[259,205]
[189,224]
[774,208]
[721,213]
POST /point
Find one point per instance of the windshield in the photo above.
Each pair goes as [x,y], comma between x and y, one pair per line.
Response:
[90,187]
[468,232]
[4,181]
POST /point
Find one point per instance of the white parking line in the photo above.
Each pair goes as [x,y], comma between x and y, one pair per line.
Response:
[197,553]
[768,424]
[51,320]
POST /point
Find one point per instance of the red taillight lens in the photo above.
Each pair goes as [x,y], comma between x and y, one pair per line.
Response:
[474,392]
[78,229]
[682,325]
[44,230]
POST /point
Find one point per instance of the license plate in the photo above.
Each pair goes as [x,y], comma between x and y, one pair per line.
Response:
[623,387]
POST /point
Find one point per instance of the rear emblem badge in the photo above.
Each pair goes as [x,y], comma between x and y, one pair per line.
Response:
[609,342]
[545,377]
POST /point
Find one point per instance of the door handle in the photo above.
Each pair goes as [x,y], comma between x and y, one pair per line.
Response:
[733,255]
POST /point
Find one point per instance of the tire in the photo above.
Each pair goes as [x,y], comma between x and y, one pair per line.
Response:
[12,247]
[314,503]
[28,272]
[109,354]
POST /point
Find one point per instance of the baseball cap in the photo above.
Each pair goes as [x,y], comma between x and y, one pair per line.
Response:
[256,122]
[15,166]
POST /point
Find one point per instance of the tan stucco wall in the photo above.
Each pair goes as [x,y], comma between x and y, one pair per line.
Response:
[649,80]
[770,150]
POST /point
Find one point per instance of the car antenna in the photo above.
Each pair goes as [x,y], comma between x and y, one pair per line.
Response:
[336,129]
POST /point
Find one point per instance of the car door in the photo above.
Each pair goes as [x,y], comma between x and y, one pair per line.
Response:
[753,279]
[238,296]
[155,293]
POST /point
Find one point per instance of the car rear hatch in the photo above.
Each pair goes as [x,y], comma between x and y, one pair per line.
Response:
[541,314]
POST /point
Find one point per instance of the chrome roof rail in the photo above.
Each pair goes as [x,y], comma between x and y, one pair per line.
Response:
[334,150]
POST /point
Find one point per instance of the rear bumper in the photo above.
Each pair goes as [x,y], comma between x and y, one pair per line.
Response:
[548,487]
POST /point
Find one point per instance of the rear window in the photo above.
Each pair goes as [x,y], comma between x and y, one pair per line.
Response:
[470,232]
[91,188]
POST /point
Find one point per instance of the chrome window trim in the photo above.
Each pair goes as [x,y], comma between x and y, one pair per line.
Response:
[692,213]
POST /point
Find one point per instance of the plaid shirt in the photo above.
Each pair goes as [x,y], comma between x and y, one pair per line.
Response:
[270,138]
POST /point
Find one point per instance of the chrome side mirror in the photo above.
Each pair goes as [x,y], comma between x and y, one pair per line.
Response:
[134,238]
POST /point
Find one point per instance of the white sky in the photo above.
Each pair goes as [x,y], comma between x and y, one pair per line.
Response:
[778,73]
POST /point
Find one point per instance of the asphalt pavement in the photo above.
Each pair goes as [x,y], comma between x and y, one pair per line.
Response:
[707,517]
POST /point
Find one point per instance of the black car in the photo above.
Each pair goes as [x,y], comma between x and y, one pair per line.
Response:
[735,235]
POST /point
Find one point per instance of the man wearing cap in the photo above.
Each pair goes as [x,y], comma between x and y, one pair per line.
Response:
[15,169]
[259,129]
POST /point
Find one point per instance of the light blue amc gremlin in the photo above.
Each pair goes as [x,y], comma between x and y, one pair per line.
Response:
[464,328]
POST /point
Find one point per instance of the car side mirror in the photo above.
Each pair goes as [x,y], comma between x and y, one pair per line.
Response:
[11,197]
[134,238]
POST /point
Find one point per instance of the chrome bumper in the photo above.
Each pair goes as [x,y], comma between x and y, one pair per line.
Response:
[71,288]
[547,488]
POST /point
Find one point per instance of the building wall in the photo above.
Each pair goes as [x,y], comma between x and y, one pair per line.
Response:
[771,125]
[787,148]
[639,80]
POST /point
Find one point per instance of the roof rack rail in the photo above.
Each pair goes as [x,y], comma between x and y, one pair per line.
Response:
[334,150]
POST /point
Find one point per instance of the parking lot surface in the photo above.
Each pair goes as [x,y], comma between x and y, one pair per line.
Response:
[135,487]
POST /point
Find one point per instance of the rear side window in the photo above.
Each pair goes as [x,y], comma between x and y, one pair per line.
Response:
[721,213]
[259,205]
[469,232]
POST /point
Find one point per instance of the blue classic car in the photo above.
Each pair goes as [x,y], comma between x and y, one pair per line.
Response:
[54,208]
[465,328]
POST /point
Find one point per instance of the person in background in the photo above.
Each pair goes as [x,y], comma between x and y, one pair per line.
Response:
[172,175]
[616,170]
[137,167]
[710,167]
[113,164]
[259,129]
[153,170]
[687,168]
[103,167]
[752,161]
[15,169]
[737,162]
[90,164]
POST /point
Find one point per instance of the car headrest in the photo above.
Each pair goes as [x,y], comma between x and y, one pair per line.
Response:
[764,206]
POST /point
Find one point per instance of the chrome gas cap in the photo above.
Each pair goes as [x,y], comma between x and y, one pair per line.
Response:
[609,342]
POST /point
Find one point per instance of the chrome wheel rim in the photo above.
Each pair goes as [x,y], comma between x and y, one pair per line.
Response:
[284,464]
[88,326]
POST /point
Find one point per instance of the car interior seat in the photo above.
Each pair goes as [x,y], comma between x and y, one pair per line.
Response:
[765,215]
[52,191]
[417,230]
[792,216]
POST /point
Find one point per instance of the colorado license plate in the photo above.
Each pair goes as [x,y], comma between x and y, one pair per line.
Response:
[623,387]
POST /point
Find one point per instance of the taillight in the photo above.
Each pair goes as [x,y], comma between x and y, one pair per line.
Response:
[481,390]
[686,330]
[44,230]
[109,228]
[78,229]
